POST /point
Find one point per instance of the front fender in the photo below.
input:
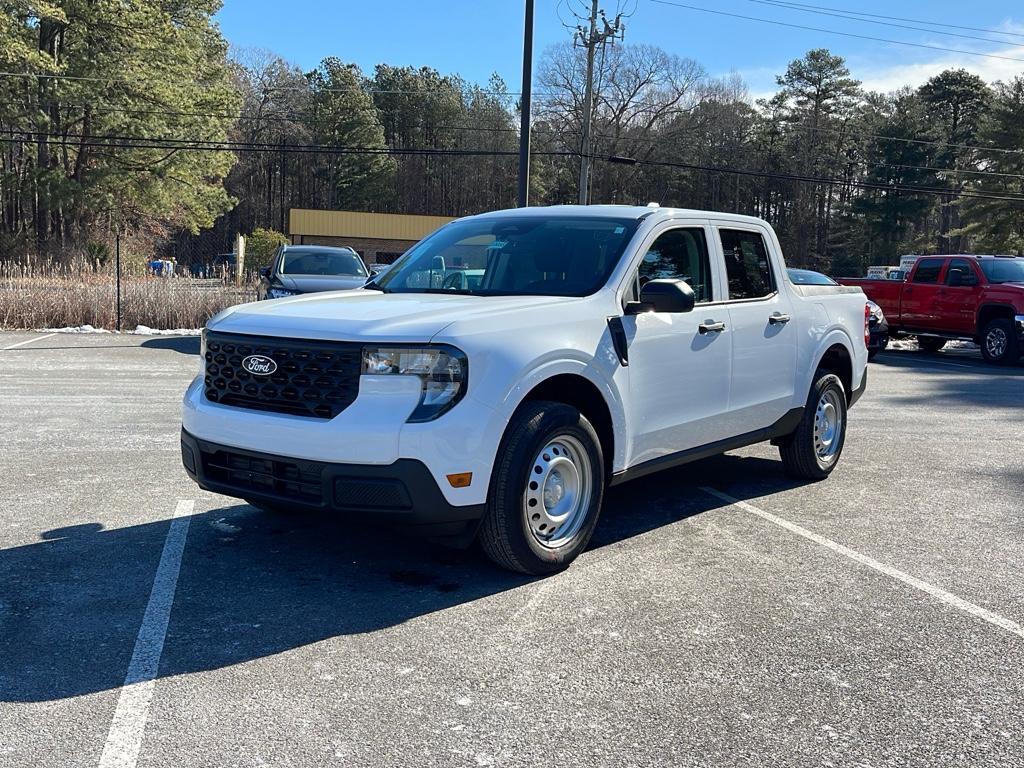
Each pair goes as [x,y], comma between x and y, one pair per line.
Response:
[608,377]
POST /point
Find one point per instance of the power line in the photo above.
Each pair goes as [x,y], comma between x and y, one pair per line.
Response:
[837,32]
[934,142]
[277,117]
[470,91]
[851,15]
[832,181]
[204,145]
[145,142]
[900,18]
[104,142]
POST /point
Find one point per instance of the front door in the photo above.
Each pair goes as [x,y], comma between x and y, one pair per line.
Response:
[959,297]
[920,294]
[679,364]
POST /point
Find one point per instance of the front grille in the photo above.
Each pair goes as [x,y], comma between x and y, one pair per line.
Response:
[319,379]
[286,478]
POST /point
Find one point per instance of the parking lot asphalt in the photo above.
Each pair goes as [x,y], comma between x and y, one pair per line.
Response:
[694,632]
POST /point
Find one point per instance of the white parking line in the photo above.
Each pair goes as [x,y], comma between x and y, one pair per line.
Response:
[29,341]
[125,737]
[937,592]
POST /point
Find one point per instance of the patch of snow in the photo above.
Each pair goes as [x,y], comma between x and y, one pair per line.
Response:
[145,330]
[140,330]
[910,344]
[74,329]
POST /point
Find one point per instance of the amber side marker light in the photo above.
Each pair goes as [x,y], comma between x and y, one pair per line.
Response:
[460,480]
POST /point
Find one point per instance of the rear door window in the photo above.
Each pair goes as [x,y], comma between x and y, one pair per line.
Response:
[928,271]
[747,265]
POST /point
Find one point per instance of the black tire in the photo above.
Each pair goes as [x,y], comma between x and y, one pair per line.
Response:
[799,455]
[999,342]
[883,343]
[930,343]
[505,534]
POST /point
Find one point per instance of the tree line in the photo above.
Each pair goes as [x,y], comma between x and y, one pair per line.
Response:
[135,118]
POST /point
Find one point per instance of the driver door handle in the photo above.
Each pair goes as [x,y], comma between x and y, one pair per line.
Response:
[705,328]
[779,319]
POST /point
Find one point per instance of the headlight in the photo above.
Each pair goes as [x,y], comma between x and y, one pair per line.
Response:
[442,371]
[876,312]
[280,293]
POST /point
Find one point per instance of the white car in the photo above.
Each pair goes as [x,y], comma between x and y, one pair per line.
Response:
[600,344]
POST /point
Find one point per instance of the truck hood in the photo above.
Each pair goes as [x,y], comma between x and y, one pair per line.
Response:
[361,315]
[314,283]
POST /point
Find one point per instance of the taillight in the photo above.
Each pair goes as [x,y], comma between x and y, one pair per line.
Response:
[867,324]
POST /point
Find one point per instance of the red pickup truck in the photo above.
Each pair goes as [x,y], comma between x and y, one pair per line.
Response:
[980,298]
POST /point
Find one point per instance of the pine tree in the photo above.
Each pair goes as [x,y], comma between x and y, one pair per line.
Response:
[998,225]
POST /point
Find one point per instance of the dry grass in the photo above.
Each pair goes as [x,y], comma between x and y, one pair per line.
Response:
[80,293]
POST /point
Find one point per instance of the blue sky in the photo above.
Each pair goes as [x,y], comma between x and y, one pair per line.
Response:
[477,37]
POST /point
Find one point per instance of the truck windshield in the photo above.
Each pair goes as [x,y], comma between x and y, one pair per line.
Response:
[1003,270]
[511,256]
[337,263]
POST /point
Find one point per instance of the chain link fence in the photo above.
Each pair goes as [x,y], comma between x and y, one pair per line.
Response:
[179,286]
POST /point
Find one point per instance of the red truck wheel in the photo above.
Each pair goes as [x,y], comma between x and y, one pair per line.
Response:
[998,342]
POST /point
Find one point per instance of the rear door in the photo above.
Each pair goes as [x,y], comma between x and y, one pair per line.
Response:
[764,333]
[918,306]
[959,296]
[678,373]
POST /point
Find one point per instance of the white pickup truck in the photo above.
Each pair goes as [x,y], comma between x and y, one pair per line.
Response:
[512,365]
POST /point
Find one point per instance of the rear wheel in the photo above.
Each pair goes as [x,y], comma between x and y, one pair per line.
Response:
[812,451]
[998,342]
[930,343]
[546,490]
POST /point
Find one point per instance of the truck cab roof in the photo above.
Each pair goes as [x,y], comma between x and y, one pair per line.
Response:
[637,212]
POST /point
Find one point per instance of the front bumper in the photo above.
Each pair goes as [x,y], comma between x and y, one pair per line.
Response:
[403,492]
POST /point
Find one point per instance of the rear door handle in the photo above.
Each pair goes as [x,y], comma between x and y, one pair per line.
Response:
[779,319]
[711,328]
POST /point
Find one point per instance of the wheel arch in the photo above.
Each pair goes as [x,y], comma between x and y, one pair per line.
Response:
[992,311]
[837,356]
[594,399]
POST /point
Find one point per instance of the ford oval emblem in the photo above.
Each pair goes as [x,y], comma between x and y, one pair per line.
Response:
[259,365]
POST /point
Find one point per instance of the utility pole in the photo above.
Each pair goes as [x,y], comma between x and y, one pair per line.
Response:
[590,39]
[524,109]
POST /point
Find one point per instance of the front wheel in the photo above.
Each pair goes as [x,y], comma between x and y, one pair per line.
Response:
[812,451]
[546,490]
[999,343]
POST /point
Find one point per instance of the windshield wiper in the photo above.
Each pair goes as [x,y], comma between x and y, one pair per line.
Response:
[453,291]
[374,287]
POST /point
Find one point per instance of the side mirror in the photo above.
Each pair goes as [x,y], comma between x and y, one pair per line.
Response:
[265,272]
[664,295]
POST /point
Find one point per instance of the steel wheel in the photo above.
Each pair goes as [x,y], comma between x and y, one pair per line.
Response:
[828,426]
[558,491]
[996,342]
